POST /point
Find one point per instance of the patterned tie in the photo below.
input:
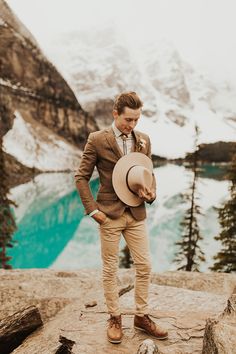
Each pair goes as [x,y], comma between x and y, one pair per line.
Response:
[124,138]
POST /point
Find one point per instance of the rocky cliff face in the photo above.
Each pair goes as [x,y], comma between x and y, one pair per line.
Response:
[31,85]
[18,172]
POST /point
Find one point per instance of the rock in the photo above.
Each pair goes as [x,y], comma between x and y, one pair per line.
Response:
[230,309]
[147,347]
[217,283]
[220,332]
[49,290]
[60,297]
[90,304]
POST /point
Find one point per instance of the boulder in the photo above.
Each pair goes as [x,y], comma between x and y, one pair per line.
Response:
[147,347]
[220,331]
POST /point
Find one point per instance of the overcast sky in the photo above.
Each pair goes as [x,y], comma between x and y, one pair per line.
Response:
[203,31]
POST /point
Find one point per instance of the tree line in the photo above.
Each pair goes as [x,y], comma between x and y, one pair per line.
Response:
[189,255]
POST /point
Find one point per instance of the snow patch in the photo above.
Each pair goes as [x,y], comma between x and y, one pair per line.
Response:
[36,146]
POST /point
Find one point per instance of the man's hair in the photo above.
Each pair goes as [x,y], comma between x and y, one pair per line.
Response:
[127,99]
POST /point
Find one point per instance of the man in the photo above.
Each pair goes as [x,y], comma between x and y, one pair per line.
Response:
[103,149]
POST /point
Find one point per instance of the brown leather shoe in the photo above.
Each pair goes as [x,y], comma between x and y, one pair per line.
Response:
[147,325]
[114,330]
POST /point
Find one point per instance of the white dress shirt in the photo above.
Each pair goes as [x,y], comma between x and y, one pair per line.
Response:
[119,140]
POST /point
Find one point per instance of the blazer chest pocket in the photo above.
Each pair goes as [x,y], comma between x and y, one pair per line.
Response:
[106,196]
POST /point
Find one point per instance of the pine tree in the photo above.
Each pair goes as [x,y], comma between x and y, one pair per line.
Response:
[125,259]
[225,260]
[190,255]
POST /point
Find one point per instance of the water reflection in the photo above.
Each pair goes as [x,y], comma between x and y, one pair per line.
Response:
[53,231]
[48,216]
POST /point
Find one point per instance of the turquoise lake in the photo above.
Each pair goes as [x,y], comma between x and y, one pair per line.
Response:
[53,231]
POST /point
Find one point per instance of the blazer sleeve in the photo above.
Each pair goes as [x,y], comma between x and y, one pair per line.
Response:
[84,173]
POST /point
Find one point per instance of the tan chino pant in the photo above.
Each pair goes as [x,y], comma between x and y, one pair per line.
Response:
[136,237]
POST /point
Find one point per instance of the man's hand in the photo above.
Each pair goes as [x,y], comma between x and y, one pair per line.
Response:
[147,195]
[99,217]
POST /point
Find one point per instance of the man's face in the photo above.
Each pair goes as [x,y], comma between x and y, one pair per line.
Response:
[127,120]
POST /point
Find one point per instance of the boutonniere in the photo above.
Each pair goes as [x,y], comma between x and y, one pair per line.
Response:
[141,144]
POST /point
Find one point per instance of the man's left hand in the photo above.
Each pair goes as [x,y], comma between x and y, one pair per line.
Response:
[147,195]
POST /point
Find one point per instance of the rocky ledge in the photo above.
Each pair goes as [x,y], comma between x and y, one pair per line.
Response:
[197,309]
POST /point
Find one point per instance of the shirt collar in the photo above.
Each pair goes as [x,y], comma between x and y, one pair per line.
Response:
[117,131]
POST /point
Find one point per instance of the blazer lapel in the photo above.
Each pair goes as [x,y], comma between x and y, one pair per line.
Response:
[136,137]
[110,136]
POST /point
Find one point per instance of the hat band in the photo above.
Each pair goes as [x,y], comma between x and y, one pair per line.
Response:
[127,175]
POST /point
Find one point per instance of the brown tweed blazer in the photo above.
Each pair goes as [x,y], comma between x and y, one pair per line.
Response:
[102,152]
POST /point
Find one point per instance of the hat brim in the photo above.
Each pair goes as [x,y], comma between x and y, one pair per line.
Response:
[119,176]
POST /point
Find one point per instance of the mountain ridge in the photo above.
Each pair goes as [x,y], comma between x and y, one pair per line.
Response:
[175,95]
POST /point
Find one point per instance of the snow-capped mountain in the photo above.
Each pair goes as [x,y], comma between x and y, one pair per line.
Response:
[98,65]
[37,146]
[165,70]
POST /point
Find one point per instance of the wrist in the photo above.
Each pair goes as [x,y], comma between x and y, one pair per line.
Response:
[93,212]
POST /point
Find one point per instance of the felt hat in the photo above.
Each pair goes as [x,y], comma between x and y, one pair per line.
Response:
[131,173]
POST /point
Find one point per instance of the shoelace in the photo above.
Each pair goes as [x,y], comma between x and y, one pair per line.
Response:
[115,321]
[149,322]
